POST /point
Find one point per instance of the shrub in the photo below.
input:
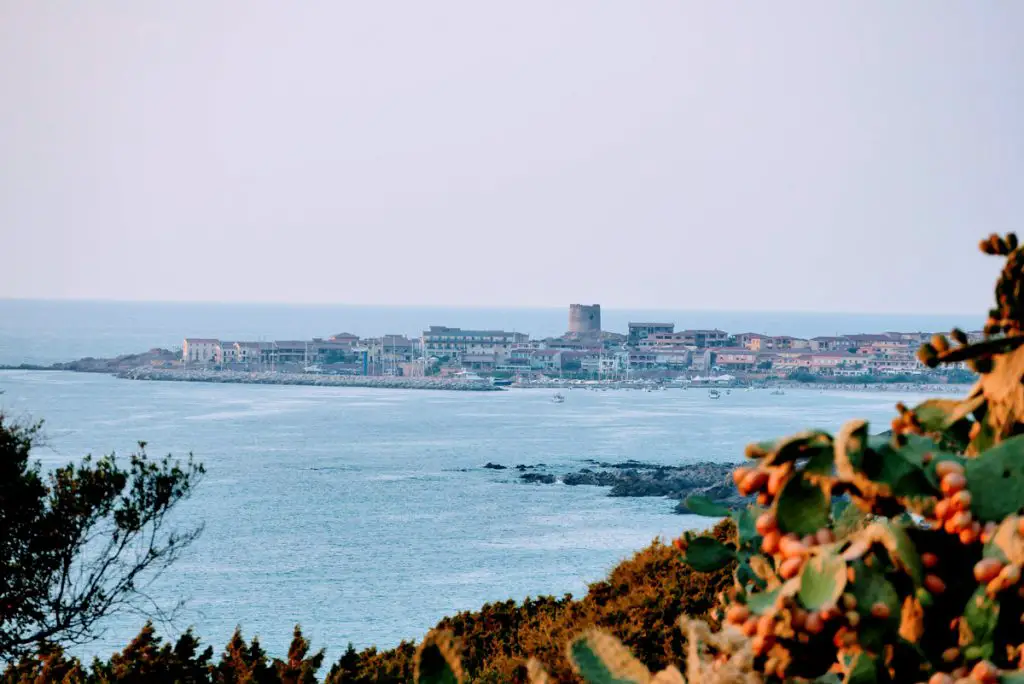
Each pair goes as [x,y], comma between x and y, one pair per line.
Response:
[83,542]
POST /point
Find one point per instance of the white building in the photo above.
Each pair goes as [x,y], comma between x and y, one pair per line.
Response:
[227,352]
[454,343]
[605,364]
[200,350]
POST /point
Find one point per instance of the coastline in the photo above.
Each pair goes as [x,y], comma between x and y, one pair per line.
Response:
[280,378]
[450,384]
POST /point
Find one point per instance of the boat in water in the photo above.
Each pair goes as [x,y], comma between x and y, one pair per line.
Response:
[714,394]
[558,398]
[778,391]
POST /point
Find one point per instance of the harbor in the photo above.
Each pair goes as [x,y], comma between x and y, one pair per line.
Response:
[649,356]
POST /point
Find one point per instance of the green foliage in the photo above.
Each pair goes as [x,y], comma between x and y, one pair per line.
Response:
[802,507]
[82,542]
[997,475]
[149,659]
[702,505]
[822,582]
[437,660]
[707,554]
[602,659]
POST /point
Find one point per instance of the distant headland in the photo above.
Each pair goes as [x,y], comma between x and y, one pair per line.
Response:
[445,357]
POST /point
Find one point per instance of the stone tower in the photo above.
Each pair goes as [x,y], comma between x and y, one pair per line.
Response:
[585,319]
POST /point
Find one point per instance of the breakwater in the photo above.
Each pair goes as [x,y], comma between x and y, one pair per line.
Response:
[277,378]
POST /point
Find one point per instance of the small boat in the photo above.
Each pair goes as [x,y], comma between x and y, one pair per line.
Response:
[558,398]
[714,394]
[777,391]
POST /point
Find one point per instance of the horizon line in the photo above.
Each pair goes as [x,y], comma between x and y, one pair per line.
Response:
[480,307]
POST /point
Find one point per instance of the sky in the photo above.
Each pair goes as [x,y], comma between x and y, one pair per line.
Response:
[800,156]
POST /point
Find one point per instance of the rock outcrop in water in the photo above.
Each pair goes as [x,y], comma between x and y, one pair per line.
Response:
[635,478]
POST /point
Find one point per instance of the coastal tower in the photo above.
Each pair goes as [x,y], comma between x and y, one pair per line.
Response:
[585,319]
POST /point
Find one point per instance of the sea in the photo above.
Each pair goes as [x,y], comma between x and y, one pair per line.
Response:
[366,515]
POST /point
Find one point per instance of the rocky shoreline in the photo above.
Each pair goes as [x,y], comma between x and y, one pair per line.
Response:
[636,478]
[279,378]
[152,358]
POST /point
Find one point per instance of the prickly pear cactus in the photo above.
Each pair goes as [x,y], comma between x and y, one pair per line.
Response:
[600,658]
[437,660]
[866,559]
[887,559]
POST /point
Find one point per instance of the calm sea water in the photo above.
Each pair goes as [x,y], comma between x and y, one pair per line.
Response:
[365,514]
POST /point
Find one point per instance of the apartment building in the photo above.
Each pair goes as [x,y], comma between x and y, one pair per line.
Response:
[641,331]
[200,350]
[444,342]
[703,339]
[735,358]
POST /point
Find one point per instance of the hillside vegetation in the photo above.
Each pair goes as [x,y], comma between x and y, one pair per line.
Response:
[639,602]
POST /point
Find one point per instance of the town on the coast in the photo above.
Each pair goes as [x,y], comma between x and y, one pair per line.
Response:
[646,352]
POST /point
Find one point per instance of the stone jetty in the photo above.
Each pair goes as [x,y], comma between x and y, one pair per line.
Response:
[278,378]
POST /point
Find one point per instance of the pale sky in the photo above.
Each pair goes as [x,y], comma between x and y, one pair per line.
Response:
[831,156]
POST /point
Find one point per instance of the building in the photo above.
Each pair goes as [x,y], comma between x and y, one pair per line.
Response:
[700,361]
[200,350]
[826,343]
[295,352]
[827,363]
[641,331]
[585,319]
[347,339]
[735,358]
[749,340]
[703,339]
[386,354]
[518,362]
[664,340]
[546,360]
[604,364]
[670,357]
[453,343]
[479,362]
[572,344]
[643,359]
[227,352]
[787,342]
[862,339]
[333,350]
[758,342]
[252,353]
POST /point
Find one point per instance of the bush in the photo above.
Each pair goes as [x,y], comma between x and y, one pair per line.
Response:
[639,602]
[83,542]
